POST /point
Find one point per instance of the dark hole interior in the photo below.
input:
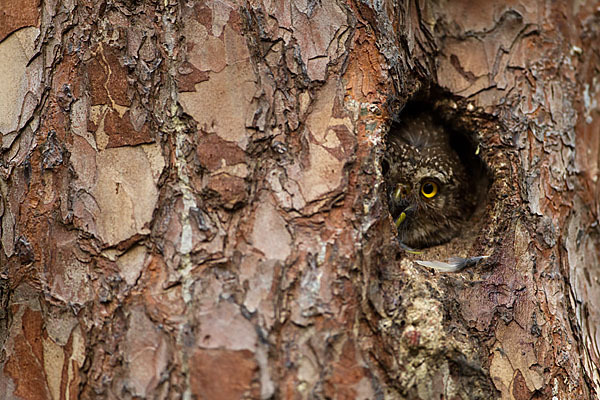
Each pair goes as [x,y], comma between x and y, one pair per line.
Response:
[385,167]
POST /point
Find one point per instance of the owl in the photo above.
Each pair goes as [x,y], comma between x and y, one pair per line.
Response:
[428,188]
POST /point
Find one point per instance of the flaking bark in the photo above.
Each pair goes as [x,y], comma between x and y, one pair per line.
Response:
[192,203]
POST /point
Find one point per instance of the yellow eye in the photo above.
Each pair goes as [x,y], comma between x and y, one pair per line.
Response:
[429,189]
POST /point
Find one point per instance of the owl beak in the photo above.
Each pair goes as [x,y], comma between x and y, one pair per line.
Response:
[400,192]
[402,216]
[399,196]
[400,219]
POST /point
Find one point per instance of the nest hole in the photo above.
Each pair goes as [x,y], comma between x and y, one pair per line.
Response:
[443,145]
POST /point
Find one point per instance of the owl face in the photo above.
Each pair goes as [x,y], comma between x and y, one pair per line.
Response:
[427,186]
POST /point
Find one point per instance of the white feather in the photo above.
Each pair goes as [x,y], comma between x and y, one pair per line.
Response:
[453,264]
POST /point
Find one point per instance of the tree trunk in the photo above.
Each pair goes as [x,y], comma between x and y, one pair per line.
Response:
[192,204]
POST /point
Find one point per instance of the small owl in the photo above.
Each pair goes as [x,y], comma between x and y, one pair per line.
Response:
[428,188]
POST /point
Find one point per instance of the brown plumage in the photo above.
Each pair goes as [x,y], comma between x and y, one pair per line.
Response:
[427,182]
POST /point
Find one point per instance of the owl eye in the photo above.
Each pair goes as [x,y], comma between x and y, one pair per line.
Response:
[429,189]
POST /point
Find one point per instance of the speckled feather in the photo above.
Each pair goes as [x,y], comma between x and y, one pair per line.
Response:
[418,151]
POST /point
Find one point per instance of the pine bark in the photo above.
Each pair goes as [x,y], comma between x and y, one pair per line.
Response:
[192,203]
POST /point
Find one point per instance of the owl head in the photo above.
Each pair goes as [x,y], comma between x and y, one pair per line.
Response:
[427,185]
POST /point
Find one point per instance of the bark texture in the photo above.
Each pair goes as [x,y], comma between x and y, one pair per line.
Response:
[192,205]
